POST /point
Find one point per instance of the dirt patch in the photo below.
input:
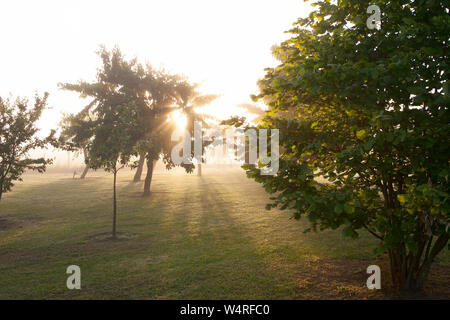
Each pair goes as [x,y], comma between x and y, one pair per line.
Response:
[346,279]
[10,223]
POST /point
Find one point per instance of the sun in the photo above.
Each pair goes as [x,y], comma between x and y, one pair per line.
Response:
[179,118]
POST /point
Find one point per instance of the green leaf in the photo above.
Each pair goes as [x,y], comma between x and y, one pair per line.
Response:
[361,134]
[349,209]
[338,208]
[402,198]
[349,232]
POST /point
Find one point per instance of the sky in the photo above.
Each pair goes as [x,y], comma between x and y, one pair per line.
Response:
[224,45]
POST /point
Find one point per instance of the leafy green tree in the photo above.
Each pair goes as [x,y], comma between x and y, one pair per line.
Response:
[163,98]
[155,121]
[154,93]
[18,137]
[364,127]
[112,145]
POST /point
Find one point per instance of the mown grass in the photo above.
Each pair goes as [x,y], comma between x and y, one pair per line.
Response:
[195,238]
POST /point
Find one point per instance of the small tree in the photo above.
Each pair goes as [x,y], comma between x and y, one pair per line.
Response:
[107,129]
[18,137]
[368,111]
[112,147]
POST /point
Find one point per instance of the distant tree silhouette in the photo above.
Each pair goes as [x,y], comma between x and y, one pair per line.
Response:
[189,98]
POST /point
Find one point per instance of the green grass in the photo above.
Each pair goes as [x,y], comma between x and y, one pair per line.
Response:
[195,238]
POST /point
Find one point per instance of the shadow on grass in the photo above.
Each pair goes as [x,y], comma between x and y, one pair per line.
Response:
[193,238]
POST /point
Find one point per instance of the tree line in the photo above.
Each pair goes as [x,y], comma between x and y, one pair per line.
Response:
[127,117]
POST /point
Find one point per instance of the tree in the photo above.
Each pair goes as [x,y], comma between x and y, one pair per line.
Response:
[190,99]
[163,98]
[107,129]
[367,110]
[112,145]
[153,92]
[18,137]
[186,98]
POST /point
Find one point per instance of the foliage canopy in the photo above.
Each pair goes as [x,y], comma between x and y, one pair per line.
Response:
[364,127]
[18,137]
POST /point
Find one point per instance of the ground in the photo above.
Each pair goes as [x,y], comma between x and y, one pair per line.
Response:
[196,237]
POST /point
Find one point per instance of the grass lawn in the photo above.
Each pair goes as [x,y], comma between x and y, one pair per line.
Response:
[196,237]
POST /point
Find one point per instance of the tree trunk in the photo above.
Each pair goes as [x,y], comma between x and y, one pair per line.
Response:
[400,270]
[138,174]
[0,194]
[85,171]
[410,271]
[114,207]
[199,170]
[148,178]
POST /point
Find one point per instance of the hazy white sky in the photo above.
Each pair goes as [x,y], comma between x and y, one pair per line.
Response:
[223,44]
